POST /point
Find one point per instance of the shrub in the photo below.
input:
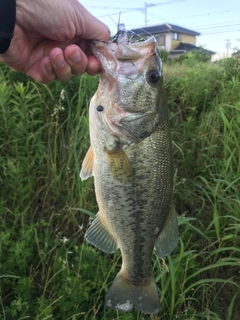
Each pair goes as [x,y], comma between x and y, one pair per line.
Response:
[47,271]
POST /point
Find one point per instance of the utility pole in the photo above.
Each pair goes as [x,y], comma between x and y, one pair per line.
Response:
[228,46]
[145,13]
[141,9]
[148,5]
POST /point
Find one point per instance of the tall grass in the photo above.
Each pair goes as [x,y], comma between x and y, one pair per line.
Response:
[47,271]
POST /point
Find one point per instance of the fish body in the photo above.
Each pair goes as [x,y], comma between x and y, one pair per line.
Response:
[131,160]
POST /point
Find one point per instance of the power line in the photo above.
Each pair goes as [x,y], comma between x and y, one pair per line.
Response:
[115,13]
[219,26]
[222,31]
[141,9]
[114,8]
[148,5]
[222,28]
[205,14]
[216,24]
[172,18]
[205,30]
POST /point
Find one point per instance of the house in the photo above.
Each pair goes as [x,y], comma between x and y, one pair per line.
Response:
[236,54]
[186,47]
[172,38]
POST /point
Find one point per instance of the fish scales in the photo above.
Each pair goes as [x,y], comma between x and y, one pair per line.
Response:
[131,161]
[127,210]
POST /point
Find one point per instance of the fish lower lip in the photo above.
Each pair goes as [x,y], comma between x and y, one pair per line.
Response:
[97,43]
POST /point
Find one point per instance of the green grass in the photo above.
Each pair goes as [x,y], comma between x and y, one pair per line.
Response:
[47,271]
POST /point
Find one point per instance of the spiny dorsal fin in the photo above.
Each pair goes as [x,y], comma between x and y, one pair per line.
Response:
[168,237]
[87,165]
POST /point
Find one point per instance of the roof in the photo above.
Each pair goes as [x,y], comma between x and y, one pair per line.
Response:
[163,28]
[190,47]
[236,53]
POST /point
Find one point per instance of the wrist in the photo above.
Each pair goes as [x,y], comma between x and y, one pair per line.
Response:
[7,23]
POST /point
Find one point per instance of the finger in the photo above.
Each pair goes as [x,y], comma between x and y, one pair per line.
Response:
[42,71]
[94,66]
[56,66]
[61,68]
[76,59]
[46,71]
[89,27]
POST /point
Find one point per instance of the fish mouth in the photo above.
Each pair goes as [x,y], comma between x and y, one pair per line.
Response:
[123,52]
[114,58]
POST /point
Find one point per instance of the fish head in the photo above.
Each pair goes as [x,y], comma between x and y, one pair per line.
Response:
[138,62]
[130,86]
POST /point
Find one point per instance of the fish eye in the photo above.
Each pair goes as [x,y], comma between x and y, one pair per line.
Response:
[153,76]
[99,108]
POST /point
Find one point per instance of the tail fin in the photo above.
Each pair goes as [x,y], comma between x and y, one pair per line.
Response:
[123,296]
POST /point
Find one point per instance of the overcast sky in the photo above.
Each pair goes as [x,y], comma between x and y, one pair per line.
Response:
[216,20]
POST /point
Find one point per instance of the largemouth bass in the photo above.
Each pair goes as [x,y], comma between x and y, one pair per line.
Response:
[131,160]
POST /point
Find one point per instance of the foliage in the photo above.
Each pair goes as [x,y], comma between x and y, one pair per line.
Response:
[163,54]
[47,271]
[192,57]
[231,67]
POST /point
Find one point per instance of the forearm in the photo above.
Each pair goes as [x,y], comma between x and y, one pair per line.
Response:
[7,23]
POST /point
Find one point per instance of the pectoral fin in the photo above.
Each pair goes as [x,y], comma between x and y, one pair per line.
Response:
[168,237]
[120,166]
[98,235]
[87,165]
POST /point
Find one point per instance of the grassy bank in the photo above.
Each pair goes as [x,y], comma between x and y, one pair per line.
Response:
[46,270]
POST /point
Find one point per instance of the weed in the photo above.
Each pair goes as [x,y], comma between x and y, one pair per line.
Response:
[47,271]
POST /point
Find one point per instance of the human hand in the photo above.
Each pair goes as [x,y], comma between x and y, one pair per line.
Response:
[50,39]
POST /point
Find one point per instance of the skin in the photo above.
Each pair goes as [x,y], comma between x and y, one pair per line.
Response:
[50,40]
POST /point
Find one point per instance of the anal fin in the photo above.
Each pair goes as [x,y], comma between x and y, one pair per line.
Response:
[87,165]
[168,237]
[100,237]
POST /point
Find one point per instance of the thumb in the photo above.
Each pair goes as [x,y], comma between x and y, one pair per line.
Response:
[89,27]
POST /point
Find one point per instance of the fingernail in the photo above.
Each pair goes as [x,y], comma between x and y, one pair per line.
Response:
[75,56]
[58,60]
[49,67]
